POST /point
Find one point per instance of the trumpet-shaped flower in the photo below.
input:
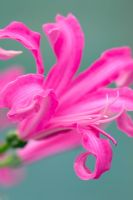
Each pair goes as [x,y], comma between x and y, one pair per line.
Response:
[64,109]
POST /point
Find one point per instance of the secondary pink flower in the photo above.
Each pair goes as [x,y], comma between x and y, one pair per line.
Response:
[5,77]
[64,110]
[10,176]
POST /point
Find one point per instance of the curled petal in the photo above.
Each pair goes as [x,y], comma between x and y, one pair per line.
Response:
[19,95]
[30,39]
[7,54]
[67,40]
[102,72]
[33,125]
[100,149]
[125,124]
[29,104]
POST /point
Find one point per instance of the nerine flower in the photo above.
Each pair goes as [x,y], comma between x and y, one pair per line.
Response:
[63,109]
[8,176]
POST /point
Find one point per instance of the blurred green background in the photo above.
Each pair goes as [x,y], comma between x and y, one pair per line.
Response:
[106,24]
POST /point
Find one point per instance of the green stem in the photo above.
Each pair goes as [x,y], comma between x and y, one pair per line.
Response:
[12,142]
[4,147]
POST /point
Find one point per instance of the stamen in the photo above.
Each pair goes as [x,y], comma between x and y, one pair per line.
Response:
[103,112]
[112,118]
[90,116]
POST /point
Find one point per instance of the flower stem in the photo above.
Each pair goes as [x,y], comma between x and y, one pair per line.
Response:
[4,147]
[12,142]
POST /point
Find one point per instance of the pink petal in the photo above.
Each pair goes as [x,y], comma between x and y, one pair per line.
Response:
[33,125]
[7,54]
[30,39]
[19,95]
[101,73]
[100,149]
[117,99]
[67,40]
[125,78]
[29,104]
[36,150]
[125,124]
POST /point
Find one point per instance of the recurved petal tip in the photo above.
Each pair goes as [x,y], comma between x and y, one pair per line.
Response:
[101,150]
[7,54]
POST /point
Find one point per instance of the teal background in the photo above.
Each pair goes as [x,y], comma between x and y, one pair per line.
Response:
[106,24]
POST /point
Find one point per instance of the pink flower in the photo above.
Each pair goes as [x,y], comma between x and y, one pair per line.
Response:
[8,176]
[65,110]
[6,77]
